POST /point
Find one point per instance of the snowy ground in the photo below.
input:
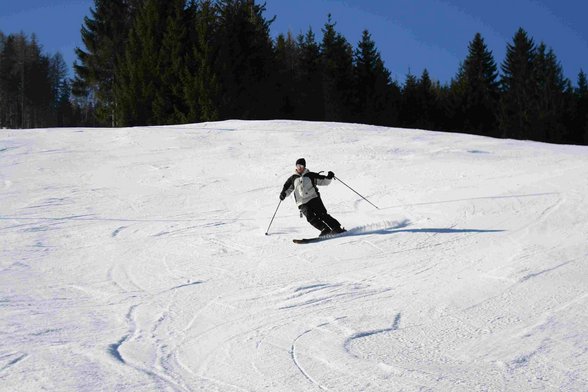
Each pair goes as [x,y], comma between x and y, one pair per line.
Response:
[135,259]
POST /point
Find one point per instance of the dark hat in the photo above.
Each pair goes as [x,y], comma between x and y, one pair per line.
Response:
[301,161]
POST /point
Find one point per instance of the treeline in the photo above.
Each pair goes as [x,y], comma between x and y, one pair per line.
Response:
[34,88]
[151,62]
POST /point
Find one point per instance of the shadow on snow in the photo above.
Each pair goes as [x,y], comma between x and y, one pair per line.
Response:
[401,227]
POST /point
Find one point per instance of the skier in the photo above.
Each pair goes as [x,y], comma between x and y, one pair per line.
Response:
[304,185]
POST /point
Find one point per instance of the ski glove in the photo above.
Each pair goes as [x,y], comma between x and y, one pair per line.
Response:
[330,175]
[282,195]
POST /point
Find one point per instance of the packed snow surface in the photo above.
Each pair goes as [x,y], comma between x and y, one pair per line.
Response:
[136,259]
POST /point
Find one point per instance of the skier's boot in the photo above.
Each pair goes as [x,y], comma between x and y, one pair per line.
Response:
[338,230]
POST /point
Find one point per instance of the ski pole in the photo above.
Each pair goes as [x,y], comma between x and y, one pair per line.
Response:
[338,179]
[267,231]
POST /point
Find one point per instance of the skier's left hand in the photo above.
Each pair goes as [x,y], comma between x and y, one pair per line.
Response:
[330,175]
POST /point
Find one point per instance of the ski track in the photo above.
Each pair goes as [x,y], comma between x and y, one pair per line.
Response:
[470,276]
[299,366]
[11,360]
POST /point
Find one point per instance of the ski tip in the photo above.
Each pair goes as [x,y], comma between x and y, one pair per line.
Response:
[306,240]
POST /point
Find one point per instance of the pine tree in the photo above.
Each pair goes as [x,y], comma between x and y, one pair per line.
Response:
[420,102]
[551,85]
[40,89]
[310,92]
[9,82]
[580,125]
[64,111]
[169,102]
[148,89]
[410,102]
[287,56]
[104,36]
[337,67]
[245,61]
[476,90]
[200,79]
[136,73]
[21,71]
[60,90]
[376,97]
[443,120]
[31,83]
[454,106]
[35,88]
[427,102]
[518,105]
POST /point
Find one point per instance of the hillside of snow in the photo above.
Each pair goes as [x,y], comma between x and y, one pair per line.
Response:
[136,259]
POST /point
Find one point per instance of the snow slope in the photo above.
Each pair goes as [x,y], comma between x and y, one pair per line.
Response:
[135,259]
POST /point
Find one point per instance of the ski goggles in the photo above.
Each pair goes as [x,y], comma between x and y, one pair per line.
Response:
[299,166]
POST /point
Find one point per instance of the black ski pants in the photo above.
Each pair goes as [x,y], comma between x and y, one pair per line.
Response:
[316,214]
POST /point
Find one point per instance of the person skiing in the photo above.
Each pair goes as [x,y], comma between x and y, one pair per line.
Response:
[304,185]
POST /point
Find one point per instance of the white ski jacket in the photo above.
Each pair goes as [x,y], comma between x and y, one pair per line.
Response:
[304,186]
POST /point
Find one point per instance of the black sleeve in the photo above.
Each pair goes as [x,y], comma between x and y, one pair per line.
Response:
[316,176]
[288,184]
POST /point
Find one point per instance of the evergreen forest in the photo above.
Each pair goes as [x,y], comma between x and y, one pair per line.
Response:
[154,62]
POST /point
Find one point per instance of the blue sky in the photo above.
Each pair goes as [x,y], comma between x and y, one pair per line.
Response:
[410,34]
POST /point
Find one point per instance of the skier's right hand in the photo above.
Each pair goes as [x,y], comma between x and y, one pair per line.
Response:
[282,195]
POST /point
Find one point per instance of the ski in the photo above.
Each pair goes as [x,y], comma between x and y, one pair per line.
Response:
[307,240]
[318,239]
